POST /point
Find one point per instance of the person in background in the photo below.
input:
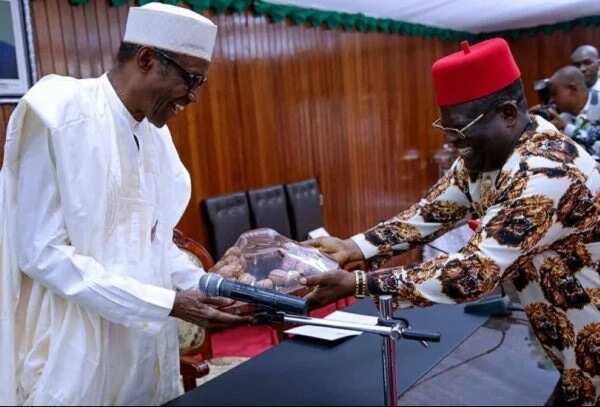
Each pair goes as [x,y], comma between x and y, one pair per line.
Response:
[91,188]
[536,192]
[585,58]
[578,108]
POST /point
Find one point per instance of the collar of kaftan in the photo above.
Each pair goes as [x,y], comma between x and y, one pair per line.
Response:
[116,105]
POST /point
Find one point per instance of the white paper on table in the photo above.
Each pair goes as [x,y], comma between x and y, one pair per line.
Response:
[319,232]
[333,334]
[350,317]
[328,334]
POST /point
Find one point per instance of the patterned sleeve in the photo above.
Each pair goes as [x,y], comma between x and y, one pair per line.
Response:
[532,209]
[444,206]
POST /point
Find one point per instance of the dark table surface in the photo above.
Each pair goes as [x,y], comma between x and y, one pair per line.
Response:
[303,371]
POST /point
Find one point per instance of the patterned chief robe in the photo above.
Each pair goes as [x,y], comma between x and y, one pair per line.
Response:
[539,227]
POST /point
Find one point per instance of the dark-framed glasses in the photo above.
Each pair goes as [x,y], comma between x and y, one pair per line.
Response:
[192,80]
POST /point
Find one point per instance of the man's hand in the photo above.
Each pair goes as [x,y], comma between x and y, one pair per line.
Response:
[535,109]
[329,287]
[342,251]
[555,117]
[193,306]
[556,120]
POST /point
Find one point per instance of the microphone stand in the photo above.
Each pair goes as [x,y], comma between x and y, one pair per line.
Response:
[389,328]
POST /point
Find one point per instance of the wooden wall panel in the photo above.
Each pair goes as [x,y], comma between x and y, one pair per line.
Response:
[285,103]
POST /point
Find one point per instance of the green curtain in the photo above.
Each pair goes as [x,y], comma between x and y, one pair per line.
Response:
[355,22]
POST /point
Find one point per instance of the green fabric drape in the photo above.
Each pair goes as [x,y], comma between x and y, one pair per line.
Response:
[353,22]
[356,22]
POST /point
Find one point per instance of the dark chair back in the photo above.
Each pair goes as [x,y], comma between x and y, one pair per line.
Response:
[304,200]
[228,216]
[268,208]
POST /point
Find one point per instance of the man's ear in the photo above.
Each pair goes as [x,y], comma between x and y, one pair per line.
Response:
[509,113]
[573,88]
[145,59]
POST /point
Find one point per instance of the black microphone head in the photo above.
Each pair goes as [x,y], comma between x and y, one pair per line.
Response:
[209,284]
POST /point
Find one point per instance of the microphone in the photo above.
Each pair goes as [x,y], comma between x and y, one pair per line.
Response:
[214,285]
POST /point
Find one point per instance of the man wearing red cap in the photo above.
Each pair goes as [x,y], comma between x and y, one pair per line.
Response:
[536,192]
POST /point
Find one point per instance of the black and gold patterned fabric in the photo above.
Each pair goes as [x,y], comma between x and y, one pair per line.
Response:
[539,227]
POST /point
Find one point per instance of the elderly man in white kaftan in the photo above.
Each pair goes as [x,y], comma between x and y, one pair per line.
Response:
[90,191]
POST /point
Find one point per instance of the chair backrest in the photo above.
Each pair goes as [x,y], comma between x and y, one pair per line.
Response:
[190,246]
[304,200]
[228,216]
[192,338]
[268,207]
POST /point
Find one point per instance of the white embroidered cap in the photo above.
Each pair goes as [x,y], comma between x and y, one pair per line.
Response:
[171,28]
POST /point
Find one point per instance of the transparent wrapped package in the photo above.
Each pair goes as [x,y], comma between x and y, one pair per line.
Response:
[268,259]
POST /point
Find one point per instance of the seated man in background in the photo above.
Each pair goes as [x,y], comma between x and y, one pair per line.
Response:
[579,108]
[536,192]
[90,190]
[585,58]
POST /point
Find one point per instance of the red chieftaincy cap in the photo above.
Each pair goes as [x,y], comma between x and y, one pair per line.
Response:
[474,72]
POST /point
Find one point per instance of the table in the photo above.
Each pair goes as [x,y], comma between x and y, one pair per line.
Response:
[494,367]
[302,371]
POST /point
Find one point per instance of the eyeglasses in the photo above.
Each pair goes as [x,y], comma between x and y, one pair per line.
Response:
[192,80]
[460,133]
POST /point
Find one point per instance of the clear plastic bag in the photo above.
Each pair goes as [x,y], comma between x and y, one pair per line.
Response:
[271,260]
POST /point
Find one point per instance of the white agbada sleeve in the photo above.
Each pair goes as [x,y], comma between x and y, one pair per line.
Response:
[184,273]
[45,254]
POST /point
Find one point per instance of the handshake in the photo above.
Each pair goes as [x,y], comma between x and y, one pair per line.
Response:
[266,260]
